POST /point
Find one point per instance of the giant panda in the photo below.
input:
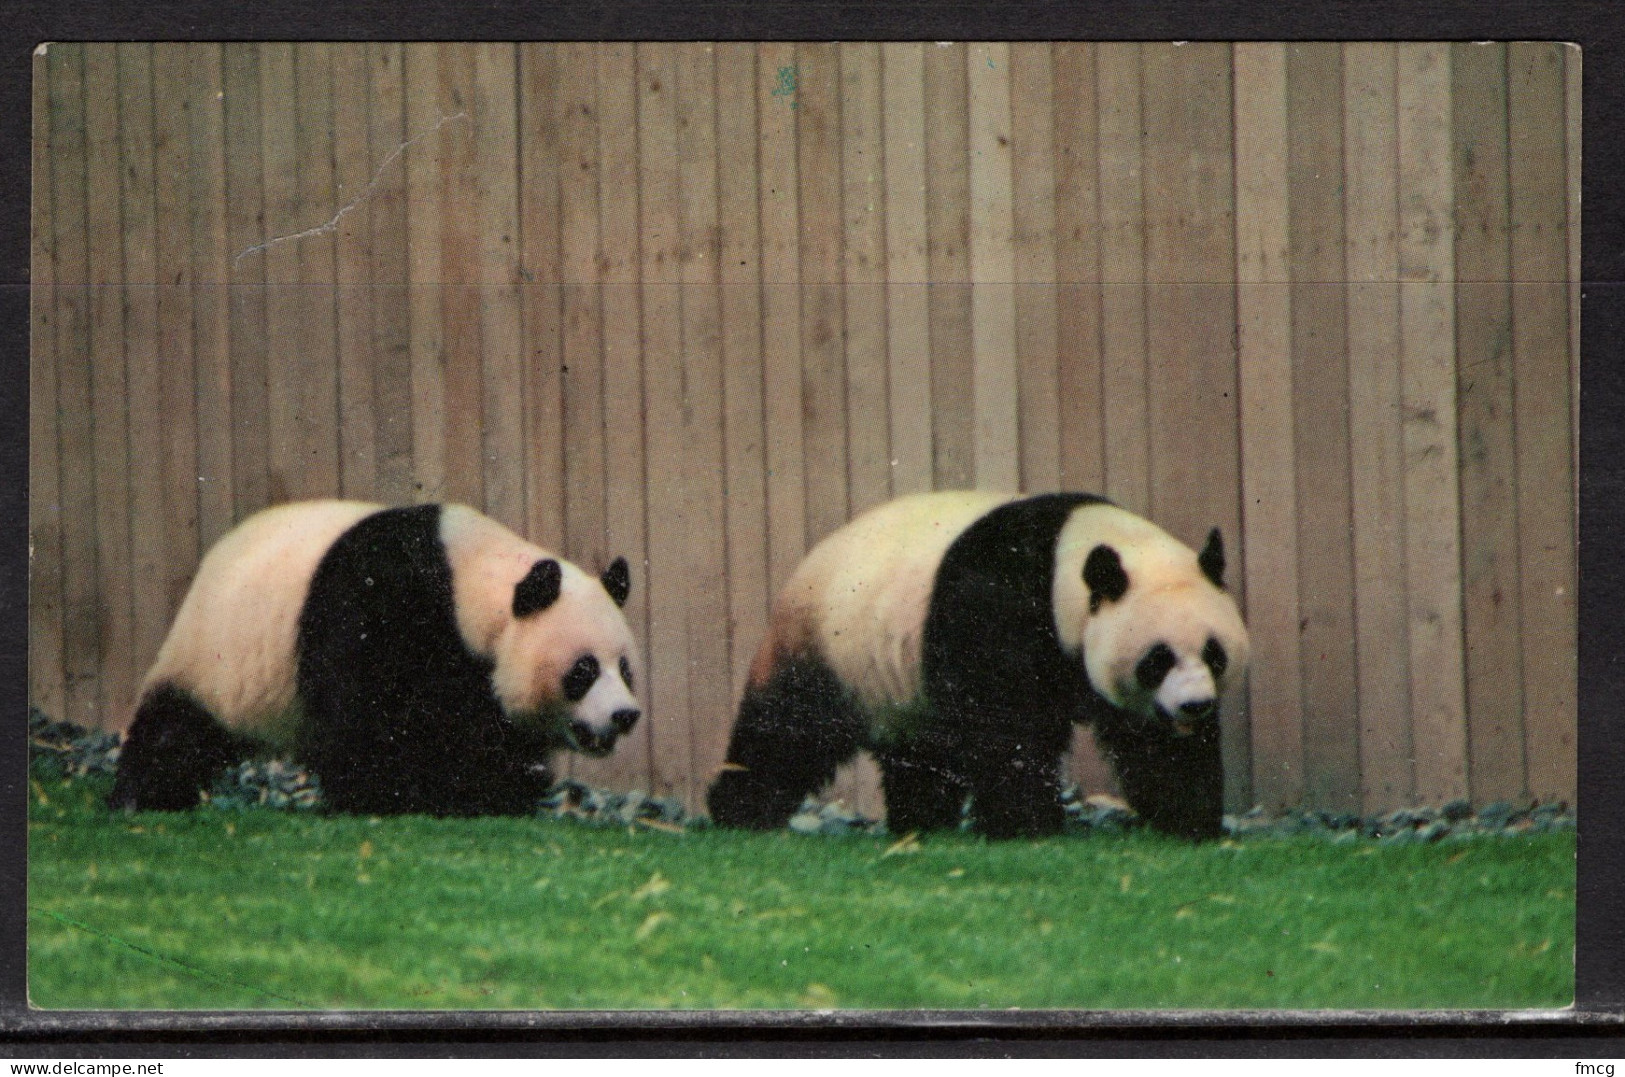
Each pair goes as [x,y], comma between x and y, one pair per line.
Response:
[957,636]
[423,659]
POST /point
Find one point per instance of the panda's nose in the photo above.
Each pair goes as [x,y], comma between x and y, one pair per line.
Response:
[623,721]
[1197,708]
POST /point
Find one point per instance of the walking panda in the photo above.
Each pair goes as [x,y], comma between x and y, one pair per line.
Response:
[957,636]
[420,659]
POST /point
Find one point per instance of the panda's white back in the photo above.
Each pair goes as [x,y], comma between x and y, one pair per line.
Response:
[867,588]
[233,641]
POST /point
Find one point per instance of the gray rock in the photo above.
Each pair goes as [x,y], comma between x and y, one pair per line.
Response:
[806,823]
[1432,832]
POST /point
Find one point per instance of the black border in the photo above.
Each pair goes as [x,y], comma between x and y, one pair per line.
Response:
[1593,1028]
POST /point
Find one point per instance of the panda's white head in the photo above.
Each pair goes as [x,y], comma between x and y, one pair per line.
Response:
[565,655]
[1163,639]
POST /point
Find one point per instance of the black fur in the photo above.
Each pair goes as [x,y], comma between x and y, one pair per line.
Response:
[173,751]
[539,589]
[1003,694]
[1211,559]
[1104,576]
[791,736]
[1175,783]
[399,714]
[617,580]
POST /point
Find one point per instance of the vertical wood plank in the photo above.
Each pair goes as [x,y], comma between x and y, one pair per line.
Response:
[1268,474]
[582,348]
[1086,441]
[618,200]
[1190,309]
[738,197]
[993,300]
[908,338]
[81,642]
[387,269]
[459,281]
[660,216]
[1037,175]
[1320,386]
[1545,473]
[46,685]
[818,155]
[109,394]
[357,362]
[1427,358]
[541,296]
[1189,226]
[280,156]
[178,367]
[317,364]
[863,200]
[245,281]
[947,206]
[205,90]
[1371,258]
[141,355]
[1484,402]
[1122,273]
[421,89]
[502,412]
[704,461]
[777,110]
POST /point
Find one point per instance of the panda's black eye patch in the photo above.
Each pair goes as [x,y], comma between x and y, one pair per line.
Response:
[626,674]
[1154,666]
[1213,654]
[582,676]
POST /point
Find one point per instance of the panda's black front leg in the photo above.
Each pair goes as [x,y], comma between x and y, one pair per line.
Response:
[923,790]
[1176,783]
[1016,788]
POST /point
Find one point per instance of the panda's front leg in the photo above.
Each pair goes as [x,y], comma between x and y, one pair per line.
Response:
[1175,783]
[1021,801]
[923,789]
[1015,782]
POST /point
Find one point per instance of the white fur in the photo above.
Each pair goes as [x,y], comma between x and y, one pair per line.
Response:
[867,587]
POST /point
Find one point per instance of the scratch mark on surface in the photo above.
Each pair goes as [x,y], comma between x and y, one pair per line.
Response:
[333,224]
[191,970]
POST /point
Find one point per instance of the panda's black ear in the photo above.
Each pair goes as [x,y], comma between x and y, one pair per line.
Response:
[539,589]
[1104,576]
[617,580]
[1212,558]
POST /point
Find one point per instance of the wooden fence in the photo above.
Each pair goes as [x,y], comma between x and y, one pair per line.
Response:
[699,304]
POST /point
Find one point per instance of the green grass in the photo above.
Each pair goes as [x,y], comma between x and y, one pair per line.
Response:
[218,909]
